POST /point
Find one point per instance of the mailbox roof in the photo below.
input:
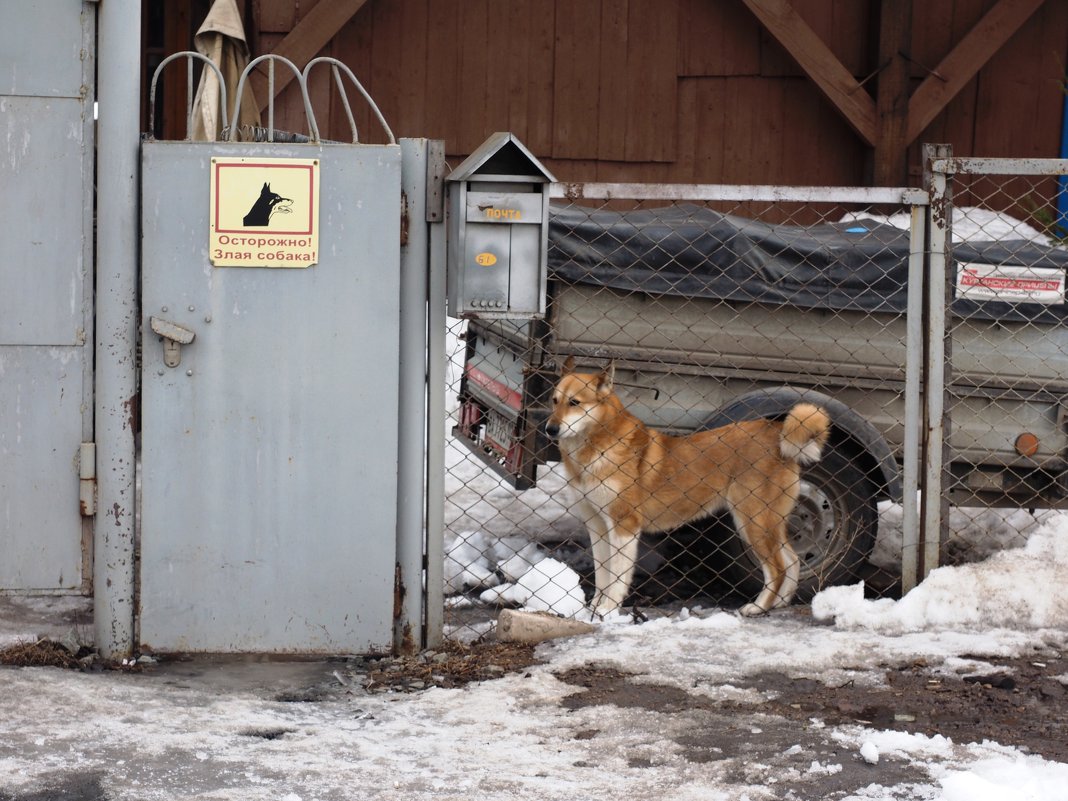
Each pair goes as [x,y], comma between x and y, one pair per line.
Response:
[502,155]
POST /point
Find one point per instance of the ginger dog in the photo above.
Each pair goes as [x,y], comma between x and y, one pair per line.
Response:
[631,478]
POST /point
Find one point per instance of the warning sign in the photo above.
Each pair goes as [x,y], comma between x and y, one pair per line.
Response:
[1010,283]
[264,212]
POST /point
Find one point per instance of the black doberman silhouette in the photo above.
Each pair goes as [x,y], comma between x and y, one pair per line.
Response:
[266,205]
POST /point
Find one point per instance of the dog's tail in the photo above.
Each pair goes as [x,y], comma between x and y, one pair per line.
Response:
[804,433]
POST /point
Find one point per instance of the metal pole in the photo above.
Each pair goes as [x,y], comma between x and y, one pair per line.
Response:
[435,495]
[910,523]
[936,358]
[415,251]
[117,318]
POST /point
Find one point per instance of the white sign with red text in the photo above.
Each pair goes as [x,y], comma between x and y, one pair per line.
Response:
[1010,283]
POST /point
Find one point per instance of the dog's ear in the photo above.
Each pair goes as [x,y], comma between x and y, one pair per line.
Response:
[569,366]
[606,379]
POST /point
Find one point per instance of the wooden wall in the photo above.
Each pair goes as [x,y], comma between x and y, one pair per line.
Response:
[668,90]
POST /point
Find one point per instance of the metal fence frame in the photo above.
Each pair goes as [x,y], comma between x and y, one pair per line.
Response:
[940,167]
[925,451]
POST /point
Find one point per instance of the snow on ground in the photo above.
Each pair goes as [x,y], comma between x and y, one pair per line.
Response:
[159,735]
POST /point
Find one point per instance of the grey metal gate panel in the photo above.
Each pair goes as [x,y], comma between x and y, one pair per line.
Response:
[46,334]
[270,453]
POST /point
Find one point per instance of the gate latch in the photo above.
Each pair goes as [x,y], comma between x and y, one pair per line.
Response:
[174,336]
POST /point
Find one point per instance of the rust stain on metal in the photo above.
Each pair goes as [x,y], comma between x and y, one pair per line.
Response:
[406,644]
[398,592]
[133,408]
[573,191]
[941,210]
[405,219]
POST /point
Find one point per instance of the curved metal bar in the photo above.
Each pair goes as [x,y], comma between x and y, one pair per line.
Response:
[270,58]
[189,55]
[344,97]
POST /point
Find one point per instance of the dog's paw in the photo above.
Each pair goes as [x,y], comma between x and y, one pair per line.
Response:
[752,610]
[613,616]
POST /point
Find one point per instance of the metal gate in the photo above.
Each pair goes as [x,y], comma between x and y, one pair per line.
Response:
[46,321]
[270,397]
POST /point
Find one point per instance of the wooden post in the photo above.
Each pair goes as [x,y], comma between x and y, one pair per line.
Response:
[890,166]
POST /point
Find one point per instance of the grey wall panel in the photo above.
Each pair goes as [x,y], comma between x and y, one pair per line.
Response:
[40,430]
[42,46]
[42,209]
[46,322]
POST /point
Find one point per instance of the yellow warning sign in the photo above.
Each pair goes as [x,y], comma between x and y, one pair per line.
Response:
[264,212]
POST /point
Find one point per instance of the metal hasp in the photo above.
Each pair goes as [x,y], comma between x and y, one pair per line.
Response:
[174,336]
[498,232]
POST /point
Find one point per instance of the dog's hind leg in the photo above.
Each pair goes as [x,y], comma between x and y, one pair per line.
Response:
[765,532]
[793,576]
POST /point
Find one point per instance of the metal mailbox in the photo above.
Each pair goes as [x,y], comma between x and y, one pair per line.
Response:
[498,232]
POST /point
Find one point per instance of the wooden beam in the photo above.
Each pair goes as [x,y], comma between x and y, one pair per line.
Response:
[304,42]
[819,63]
[890,167]
[965,60]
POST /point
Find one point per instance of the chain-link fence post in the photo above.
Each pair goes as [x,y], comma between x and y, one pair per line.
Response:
[934,504]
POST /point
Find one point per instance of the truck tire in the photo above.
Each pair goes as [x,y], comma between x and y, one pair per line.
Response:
[833,529]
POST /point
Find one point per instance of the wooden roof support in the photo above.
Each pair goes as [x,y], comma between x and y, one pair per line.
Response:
[819,63]
[304,42]
[887,124]
[965,60]
[890,166]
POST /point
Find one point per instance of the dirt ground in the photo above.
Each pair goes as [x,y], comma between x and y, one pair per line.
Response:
[1018,703]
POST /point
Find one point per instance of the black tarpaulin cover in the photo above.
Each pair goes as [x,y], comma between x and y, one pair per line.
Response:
[692,251]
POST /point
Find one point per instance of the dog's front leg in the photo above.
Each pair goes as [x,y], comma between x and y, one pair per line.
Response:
[622,558]
[600,550]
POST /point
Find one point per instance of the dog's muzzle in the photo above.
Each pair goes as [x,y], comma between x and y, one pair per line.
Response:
[552,430]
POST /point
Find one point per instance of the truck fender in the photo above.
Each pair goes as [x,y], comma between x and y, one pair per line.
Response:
[851,431]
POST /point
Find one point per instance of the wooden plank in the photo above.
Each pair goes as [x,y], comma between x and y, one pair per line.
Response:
[304,42]
[278,16]
[892,94]
[519,93]
[396,69]
[576,81]
[353,46]
[1023,81]
[533,105]
[443,113]
[818,147]
[652,80]
[616,94]
[711,106]
[473,90]
[819,63]
[845,26]
[717,39]
[965,60]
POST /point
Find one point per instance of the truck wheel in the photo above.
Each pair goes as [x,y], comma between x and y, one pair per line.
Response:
[832,528]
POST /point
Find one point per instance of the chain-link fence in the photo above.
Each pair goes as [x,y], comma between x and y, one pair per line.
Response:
[702,307]
[1006,353]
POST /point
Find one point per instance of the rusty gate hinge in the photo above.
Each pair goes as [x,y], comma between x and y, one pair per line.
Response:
[87,479]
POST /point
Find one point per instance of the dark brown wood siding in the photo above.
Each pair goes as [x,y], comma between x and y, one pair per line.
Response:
[670,90]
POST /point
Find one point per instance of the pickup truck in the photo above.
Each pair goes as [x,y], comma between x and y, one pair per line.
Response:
[711,318]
